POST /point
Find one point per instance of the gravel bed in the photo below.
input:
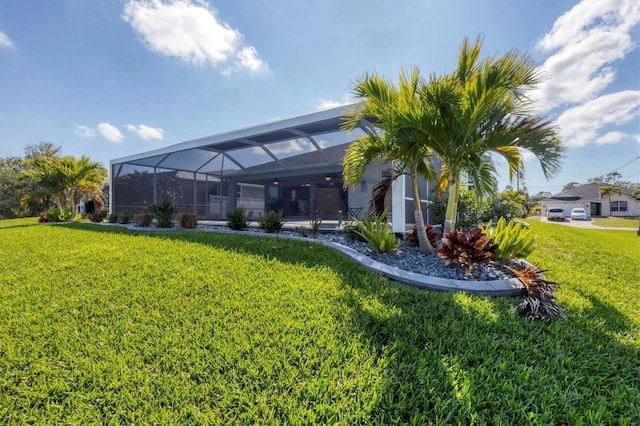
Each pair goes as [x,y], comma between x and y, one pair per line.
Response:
[407,258]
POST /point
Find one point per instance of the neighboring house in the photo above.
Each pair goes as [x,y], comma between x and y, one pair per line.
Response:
[588,197]
[292,166]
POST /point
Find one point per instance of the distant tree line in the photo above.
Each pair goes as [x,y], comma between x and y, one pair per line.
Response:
[44,179]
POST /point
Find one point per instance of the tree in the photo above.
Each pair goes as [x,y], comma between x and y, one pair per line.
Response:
[570,186]
[63,181]
[41,149]
[397,112]
[488,112]
[608,190]
[10,190]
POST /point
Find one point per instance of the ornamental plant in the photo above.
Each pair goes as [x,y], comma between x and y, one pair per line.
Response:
[188,219]
[163,211]
[412,237]
[377,233]
[466,249]
[513,240]
[237,218]
[270,222]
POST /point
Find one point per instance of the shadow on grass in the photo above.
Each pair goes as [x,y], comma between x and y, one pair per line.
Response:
[455,358]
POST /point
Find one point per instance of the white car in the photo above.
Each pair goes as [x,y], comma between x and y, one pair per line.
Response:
[578,214]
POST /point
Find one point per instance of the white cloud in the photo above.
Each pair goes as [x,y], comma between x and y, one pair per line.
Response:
[5,41]
[190,30]
[248,59]
[286,147]
[84,131]
[582,124]
[110,132]
[585,42]
[146,132]
[329,103]
[611,138]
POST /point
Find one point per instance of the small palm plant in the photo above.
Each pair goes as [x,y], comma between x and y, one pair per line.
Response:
[163,211]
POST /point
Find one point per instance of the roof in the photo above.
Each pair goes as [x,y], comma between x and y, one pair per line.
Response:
[590,191]
[310,140]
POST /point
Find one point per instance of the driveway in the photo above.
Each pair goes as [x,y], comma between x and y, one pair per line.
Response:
[586,224]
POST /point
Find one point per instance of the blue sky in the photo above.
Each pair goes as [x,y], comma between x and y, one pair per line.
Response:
[110,78]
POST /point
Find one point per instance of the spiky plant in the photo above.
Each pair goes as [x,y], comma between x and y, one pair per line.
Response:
[466,249]
[539,304]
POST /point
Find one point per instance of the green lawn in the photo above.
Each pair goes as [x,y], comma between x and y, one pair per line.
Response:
[99,325]
[616,222]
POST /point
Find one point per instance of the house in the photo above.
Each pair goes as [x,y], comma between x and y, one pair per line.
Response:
[588,197]
[292,166]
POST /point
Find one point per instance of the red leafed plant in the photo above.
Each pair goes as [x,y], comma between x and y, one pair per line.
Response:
[466,249]
[43,218]
[412,237]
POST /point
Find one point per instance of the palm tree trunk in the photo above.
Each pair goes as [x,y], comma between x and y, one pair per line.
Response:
[452,206]
[423,240]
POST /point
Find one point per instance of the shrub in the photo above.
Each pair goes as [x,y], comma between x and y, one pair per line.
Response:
[270,222]
[377,233]
[112,218]
[315,225]
[143,219]
[302,231]
[98,216]
[412,237]
[188,220]
[43,218]
[466,249]
[349,230]
[59,215]
[124,218]
[163,211]
[237,218]
[512,239]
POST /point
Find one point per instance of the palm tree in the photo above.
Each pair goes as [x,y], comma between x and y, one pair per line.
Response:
[65,180]
[608,190]
[397,112]
[488,113]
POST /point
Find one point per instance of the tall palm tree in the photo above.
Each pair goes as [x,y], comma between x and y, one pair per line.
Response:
[489,113]
[397,111]
[64,180]
[608,190]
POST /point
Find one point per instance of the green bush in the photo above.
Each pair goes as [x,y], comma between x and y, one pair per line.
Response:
[143,219]
[270,222]
[98,216]
[124,218]
[59,215]
[163,211]
[377,233]
[237,218]
[349,230]
[112,218]
[188,219]
[512,239]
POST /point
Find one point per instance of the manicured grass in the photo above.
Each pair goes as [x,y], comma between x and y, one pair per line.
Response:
[616,222]
[100,325]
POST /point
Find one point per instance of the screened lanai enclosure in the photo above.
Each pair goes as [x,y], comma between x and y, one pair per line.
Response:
[291,166]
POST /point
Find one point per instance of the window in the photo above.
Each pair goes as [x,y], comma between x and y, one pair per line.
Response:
[618,206]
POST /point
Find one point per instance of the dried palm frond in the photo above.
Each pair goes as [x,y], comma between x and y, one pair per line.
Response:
[539,303]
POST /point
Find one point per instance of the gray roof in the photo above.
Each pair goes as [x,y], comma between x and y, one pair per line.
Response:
[590,191]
